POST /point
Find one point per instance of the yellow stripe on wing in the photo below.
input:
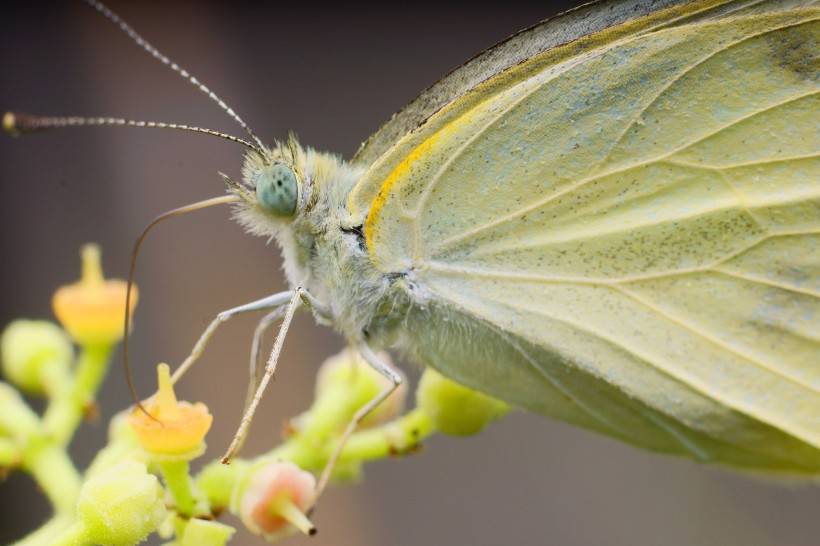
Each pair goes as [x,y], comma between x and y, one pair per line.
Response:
[395,175]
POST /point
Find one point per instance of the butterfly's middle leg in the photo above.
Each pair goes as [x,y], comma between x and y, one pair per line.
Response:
[255,364]
[275,301]
[395,379]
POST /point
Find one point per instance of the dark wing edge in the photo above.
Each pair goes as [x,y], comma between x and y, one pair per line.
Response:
[555,31]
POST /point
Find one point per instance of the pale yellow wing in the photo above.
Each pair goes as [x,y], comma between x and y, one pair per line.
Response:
[643,210]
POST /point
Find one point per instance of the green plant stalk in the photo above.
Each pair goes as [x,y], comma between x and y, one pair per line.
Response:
[397,437]
[54,472]
[332,410]
[199,532]
[47,533]
[53,378]
[64,413]
[400,436]
[75,535]
[17,420]
[217,480]
[179,484]
[114,452]
[9,453]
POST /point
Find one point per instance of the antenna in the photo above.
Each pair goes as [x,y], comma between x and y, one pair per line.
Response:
[16,124]
[135,252]
[140,41]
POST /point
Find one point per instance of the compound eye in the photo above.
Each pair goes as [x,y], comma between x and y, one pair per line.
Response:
[277,190]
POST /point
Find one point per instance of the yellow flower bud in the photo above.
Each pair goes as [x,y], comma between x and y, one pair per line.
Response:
[36,355]
[92,310]
[173,428]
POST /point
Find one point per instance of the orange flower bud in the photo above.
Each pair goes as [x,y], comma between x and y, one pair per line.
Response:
[92,309]
[173,428]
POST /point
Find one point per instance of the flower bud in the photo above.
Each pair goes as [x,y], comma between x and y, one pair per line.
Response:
[276,499]
[349,371]
[121,505]
[36,355]
[175,429]
[455,409]
[92,309]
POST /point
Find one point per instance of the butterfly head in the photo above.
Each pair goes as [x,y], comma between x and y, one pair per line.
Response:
[293,195]
[274,191]
[289,187]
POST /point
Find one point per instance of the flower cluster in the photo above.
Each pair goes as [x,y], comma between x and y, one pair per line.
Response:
[141,482]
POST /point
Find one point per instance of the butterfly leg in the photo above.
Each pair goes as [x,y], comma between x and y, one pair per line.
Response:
[254,367]
[395,380]
[262,327]
[295,299]
[270,302]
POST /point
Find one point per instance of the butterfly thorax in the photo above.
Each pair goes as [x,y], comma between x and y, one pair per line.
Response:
[323,249]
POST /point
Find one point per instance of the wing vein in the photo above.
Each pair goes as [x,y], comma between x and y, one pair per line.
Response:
[582,182]
[750,410]
[550,378]
[434,265]
[664,88]
[428,189]
[712,339]
[684,441]
[742,201]
[768,282]
[729,167]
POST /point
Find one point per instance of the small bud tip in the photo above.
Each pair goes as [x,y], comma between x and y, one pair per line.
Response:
[91,268]
[166,398]
[10,124]
[293,514]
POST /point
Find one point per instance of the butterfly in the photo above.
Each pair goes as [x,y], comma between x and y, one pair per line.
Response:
[610,219]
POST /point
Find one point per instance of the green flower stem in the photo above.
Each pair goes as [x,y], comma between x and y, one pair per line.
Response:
[116,451]
[216,481]
[179,484]
[122,444]
[54,377]
[52,469]
[66,409]
[219,481]
[75,535]
[47,533]
[397,437]
[199,532]
[329,413]
[17,420]
[327,418]
[9,453]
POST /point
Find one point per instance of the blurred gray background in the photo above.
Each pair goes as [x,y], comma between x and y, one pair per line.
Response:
[332,75]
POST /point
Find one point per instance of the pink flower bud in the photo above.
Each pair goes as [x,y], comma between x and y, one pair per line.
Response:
[276,499]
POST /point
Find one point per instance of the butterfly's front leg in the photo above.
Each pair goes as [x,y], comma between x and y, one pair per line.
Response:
[270,302]
[295,299]
[395,379]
